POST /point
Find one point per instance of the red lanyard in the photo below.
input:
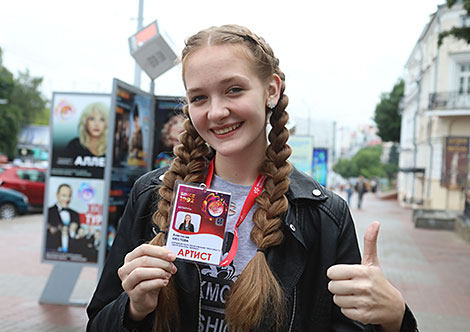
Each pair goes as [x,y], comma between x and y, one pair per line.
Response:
[255,191]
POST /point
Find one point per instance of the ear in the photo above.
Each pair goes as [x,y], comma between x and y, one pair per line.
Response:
[273,89]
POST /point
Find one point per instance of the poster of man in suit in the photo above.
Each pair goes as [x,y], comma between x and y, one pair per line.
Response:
[74,219]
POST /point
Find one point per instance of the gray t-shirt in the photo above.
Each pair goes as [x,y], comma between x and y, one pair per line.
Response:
[217,280]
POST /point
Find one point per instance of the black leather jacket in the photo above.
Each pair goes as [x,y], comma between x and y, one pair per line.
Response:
[318,233]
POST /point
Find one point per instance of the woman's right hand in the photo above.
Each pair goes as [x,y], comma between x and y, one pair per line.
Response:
[146,270]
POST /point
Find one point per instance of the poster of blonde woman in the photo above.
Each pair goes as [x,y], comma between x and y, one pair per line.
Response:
[79,134]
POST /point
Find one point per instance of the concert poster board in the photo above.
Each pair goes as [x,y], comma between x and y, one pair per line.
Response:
[74,193]
[159,116]
[129,152]
[301,157]
[320,165]
[169,121]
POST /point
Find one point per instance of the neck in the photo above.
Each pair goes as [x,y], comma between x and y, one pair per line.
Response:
[239,170]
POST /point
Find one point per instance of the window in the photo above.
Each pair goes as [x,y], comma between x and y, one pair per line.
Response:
[465,21]
[464,79]
[31,175]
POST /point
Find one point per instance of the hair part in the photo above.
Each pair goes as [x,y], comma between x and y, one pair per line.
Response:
[256,293]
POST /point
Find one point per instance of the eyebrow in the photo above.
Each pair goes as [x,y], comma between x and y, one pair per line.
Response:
[222,82]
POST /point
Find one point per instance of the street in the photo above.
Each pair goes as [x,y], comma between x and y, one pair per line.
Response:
[431,268]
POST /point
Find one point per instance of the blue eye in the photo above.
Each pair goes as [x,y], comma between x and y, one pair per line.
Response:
[197,99]
[235,89]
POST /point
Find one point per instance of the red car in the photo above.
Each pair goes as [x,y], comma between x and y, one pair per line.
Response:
[27,180]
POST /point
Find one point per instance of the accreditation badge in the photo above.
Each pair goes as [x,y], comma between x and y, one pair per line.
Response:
[197,226]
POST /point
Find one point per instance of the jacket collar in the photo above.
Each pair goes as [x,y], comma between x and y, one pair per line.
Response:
[303,186]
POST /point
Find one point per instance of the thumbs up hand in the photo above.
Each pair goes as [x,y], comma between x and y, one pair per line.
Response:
[362,291]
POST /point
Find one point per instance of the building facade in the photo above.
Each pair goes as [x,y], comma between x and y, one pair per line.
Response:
[435,131]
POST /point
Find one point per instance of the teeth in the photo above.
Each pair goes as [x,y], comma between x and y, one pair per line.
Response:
[226,130]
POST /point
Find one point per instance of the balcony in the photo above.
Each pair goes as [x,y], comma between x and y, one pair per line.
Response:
[450,103]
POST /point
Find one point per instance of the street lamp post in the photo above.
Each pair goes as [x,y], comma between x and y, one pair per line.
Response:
[140,20]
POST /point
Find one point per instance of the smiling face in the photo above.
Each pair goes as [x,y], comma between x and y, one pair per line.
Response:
[64,195]
[96,124]
[226,100]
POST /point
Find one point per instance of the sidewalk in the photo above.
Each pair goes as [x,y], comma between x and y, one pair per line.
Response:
[431,268]
[23,277]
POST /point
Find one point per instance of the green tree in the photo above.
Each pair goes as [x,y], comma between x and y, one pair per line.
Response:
[366,162]
[27,97]
[24,105]
[457,32]
[387,113]
[346,168]
[42,118]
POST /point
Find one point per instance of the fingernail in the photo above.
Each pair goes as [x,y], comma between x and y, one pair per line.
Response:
[171,256]
[174,269]
[165,282]
[168,275]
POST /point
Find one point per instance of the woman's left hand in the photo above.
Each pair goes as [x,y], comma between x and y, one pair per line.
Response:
[362,291]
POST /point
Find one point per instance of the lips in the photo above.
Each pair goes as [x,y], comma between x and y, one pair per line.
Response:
[226,130]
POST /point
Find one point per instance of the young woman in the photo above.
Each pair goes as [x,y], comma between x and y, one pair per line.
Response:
[297,245]
[186,225]
[92,132]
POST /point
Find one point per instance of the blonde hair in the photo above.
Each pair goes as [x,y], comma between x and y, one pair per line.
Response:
[83,133]
[256,293]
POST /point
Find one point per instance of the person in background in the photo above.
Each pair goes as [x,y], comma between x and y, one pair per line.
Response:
[349,192]
[361,189]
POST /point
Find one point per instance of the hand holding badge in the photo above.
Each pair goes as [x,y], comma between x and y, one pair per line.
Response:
[198,223]
[203,241]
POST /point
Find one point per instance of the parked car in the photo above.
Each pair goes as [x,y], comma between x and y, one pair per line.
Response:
[27,180]
[12,203]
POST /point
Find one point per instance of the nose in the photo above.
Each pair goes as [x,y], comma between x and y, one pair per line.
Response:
[218,110]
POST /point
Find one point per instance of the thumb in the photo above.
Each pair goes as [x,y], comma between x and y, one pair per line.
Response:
[370,244]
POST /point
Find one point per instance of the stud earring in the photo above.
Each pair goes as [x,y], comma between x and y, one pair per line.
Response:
[271,104]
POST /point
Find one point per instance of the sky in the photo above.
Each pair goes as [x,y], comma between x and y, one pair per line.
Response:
[338,56]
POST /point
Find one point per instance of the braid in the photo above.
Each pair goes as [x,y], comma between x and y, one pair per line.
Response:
[188,166]
[257,279]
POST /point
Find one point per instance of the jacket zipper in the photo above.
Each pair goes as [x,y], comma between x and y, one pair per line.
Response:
[200,293]
[293,310]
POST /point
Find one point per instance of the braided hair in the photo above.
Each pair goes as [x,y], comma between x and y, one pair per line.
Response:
[256,293]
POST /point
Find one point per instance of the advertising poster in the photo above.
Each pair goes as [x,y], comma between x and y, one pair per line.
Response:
[301,157]
[79,132]
[74,219]
[132,129]
[455,162]
[169,121]
[132,146]
[320,165]
[73,202]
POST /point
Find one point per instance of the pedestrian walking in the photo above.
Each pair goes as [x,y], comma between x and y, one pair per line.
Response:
[361,189]
[292,239]
[349,192]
